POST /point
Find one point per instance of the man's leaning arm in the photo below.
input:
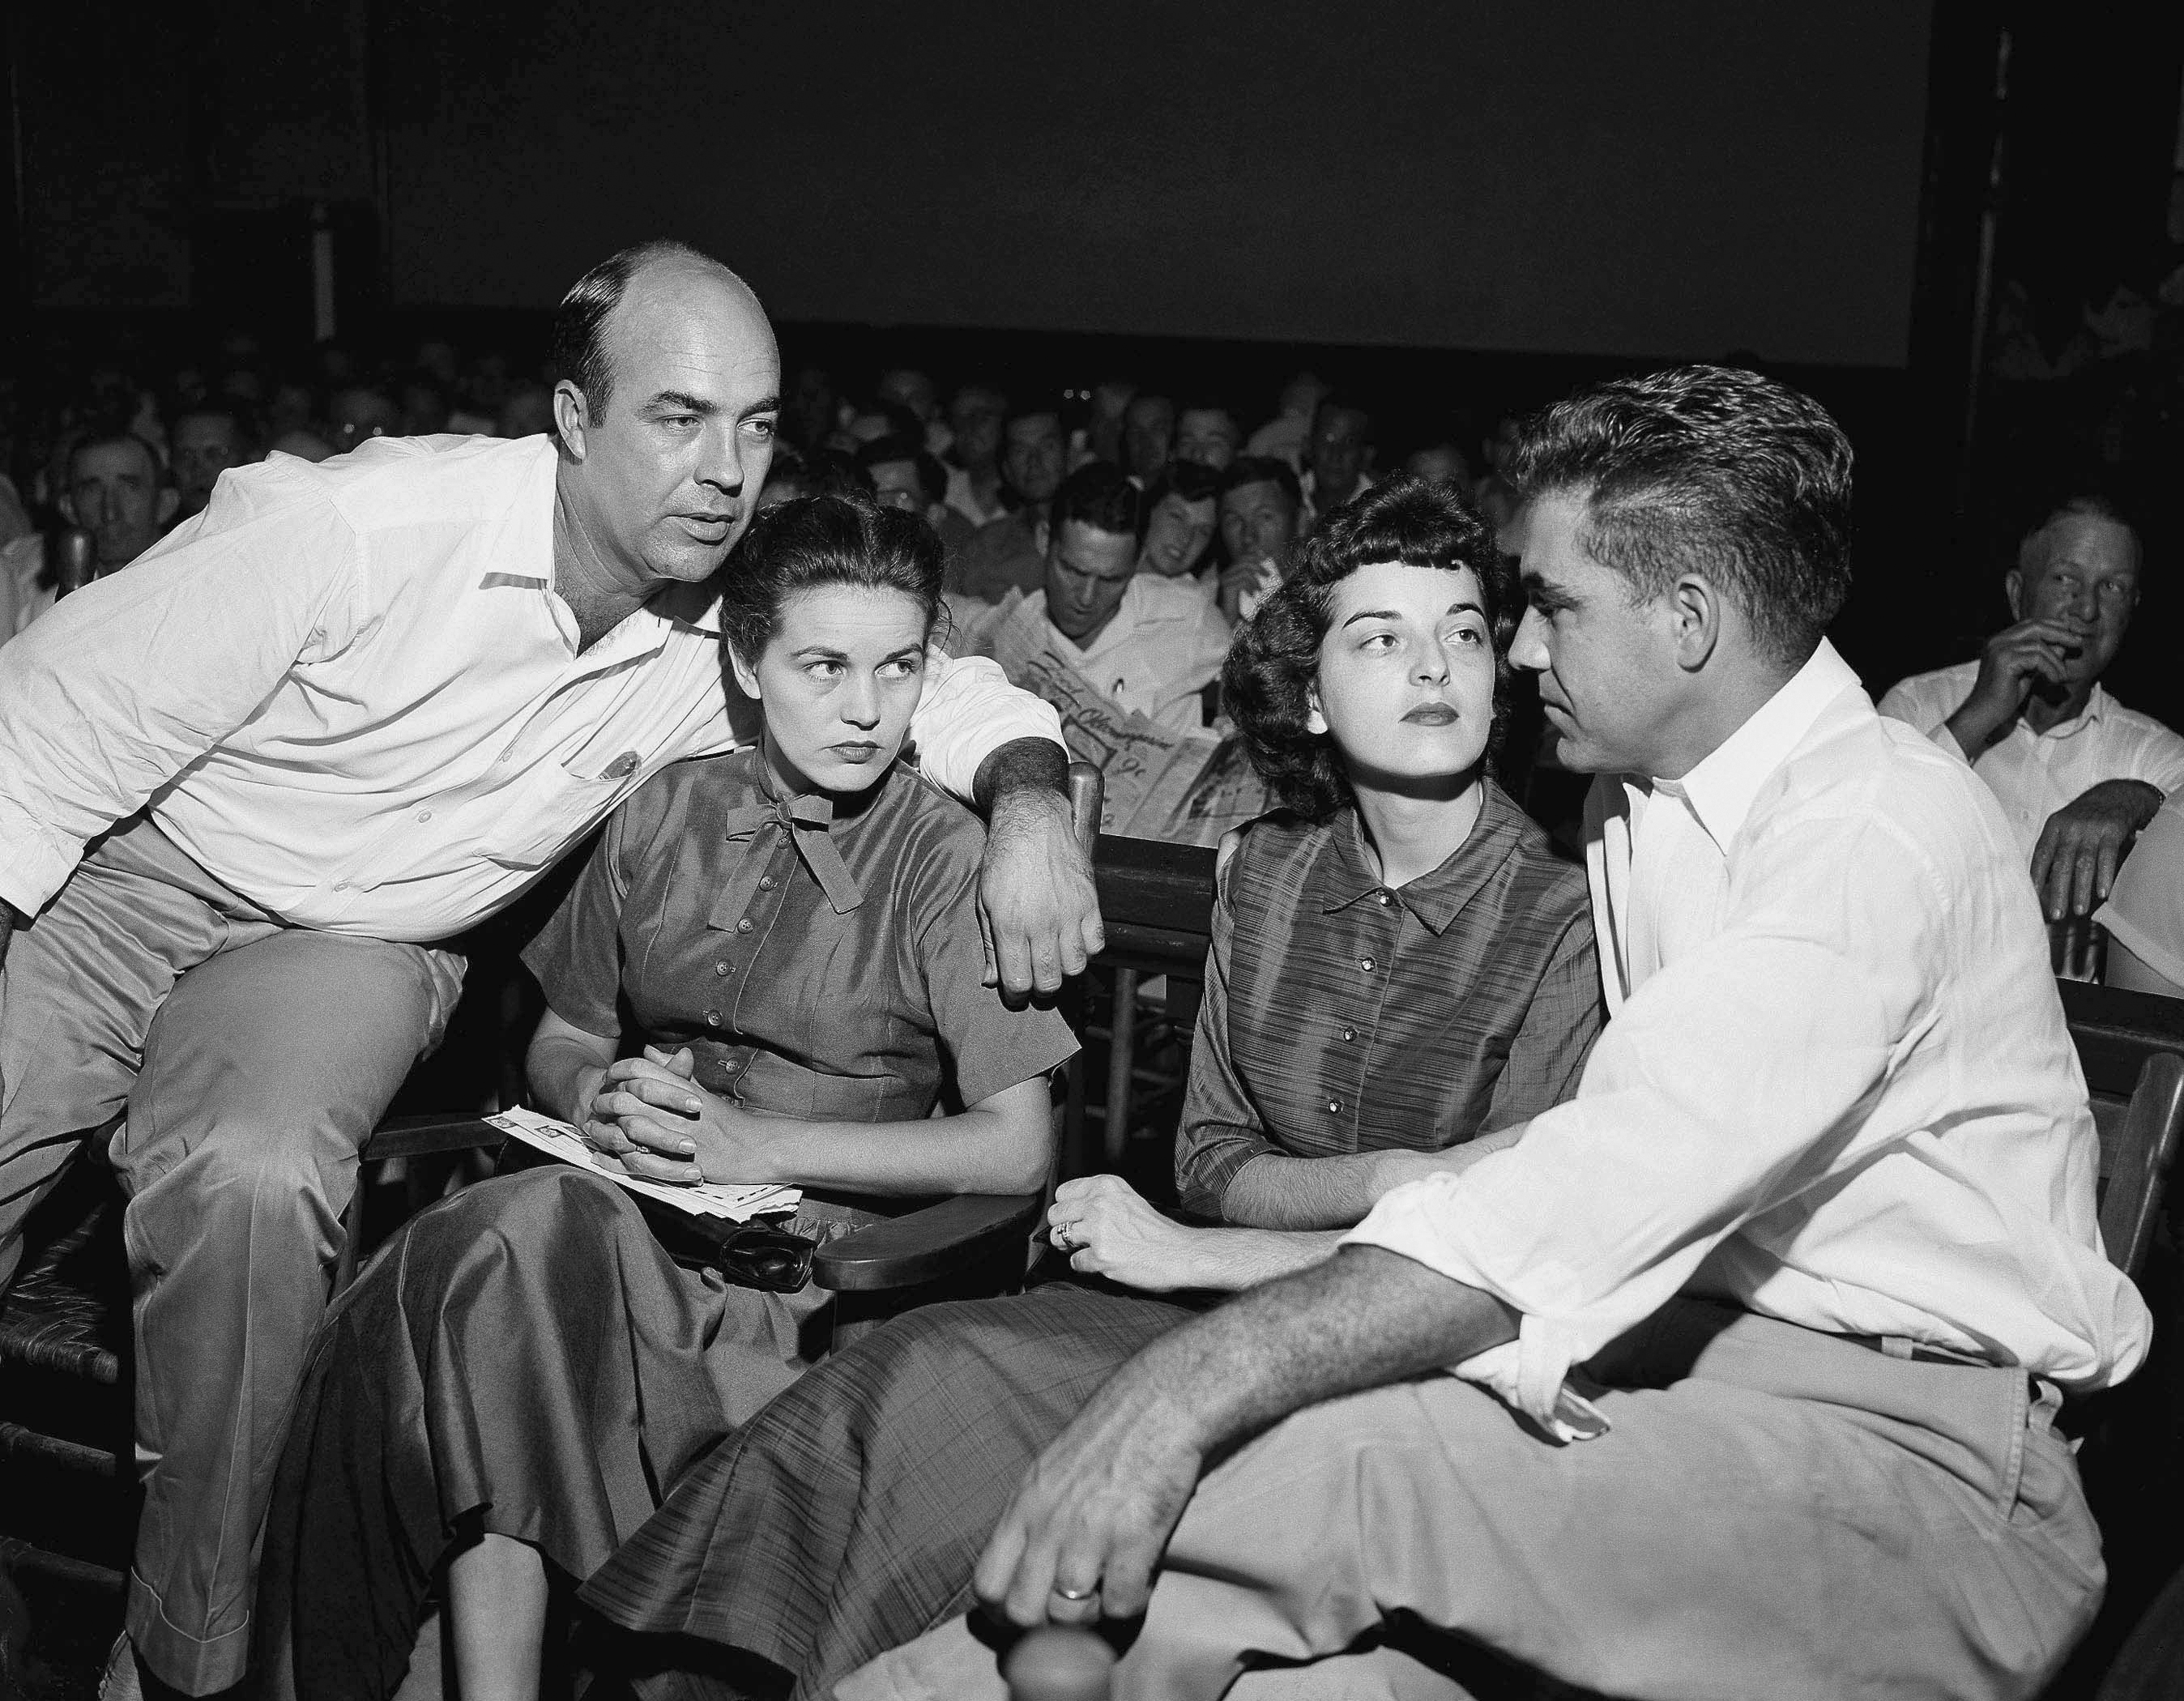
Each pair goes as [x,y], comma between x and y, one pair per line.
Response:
[969,714]
[1036,898]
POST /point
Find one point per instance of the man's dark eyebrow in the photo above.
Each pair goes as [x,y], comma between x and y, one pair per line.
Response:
[771,404]
[678,402]
[827,652]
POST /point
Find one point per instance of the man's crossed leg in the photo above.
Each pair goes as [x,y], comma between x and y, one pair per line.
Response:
[1791,1515]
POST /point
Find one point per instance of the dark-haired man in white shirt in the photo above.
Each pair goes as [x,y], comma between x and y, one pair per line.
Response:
[1757,1342]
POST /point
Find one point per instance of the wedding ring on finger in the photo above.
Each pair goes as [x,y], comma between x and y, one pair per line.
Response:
[1061,1594]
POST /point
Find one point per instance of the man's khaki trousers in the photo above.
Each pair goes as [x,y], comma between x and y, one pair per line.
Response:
[252,1060]
[1775,1512]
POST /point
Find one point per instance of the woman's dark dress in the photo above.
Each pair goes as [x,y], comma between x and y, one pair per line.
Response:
[523,1358]
[1339,1017]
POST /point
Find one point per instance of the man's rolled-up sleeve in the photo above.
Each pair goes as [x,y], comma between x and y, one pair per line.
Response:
[969,711]
[1730,1082]
[125,684]
[2159,761]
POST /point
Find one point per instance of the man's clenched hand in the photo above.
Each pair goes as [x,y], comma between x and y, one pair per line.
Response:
[1081,1538]
[1038,911]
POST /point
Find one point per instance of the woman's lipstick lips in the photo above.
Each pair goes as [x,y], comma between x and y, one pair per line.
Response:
[1432,715]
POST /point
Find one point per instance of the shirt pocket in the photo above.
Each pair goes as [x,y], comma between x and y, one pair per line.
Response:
[554,804]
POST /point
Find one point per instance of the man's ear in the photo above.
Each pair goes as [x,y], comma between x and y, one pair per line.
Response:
[1695,611]
[746,675]
[2013,586]
[66,503]
[163,509]
[572,418]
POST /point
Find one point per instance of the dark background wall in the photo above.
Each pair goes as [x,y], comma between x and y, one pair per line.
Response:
[1589,177]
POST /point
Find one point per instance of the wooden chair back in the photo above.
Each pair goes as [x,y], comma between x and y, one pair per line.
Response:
[1088,797]
[2130,1047]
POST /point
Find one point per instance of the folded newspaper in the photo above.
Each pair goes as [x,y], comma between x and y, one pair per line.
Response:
[737,1204]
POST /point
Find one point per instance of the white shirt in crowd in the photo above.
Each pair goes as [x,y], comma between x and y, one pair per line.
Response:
[1163,646]
[372,695]
[964,499]
[1836,1087]
[2035,774]
[22,598]
[1308,482]
[1281,438]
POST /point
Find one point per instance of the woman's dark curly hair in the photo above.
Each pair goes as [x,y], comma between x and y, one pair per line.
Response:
[1275,656]
[824,539]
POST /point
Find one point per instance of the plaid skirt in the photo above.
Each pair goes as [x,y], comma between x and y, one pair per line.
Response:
[523,1359]
[847,1517]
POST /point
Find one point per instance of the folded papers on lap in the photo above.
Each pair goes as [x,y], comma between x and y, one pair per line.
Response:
[731,1202]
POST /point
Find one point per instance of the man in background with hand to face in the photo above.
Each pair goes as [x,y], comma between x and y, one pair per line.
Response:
[2076,772]
[252,794]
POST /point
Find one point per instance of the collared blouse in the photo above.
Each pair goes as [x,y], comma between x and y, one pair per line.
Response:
[1342,1015]
[818,965]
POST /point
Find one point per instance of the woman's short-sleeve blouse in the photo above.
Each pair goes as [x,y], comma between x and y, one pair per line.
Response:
[819,966]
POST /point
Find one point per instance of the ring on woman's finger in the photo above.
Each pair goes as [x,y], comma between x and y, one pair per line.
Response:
[1076,1594]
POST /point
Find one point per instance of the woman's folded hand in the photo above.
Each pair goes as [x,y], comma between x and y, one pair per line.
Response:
[1107,1229]
[664,1126]
[657,1087]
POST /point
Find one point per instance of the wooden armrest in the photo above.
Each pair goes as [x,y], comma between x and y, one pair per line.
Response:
[941,1240]
[411,1136]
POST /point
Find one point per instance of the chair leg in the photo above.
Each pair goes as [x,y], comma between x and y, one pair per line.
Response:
[1073,1118]
[1122,1048]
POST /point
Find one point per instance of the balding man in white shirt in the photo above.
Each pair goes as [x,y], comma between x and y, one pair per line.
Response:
[2077,774]
[1757,1342]
[252,793]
